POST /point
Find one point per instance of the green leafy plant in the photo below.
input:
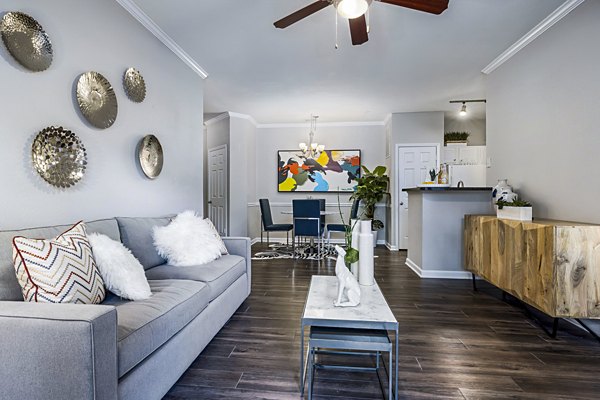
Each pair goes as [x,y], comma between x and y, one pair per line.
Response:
[371,188]
[456,136]
[352,254]
[515,203]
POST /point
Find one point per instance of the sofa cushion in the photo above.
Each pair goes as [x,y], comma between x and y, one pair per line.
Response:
[218,274]
[9,286]
[136,235]
[145,325]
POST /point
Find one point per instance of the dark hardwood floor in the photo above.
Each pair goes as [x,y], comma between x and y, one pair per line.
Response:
[454,343]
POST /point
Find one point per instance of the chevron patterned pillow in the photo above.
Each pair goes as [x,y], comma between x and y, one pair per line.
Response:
[59,270]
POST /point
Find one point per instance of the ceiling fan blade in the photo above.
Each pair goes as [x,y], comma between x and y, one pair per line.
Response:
[358,30]
[301,14]
[429,6]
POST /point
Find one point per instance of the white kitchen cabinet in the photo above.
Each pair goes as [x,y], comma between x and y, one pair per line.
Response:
[469,155]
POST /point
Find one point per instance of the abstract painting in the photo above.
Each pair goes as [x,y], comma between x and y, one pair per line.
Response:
[331,171]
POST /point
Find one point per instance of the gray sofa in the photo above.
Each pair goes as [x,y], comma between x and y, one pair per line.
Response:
[119,349]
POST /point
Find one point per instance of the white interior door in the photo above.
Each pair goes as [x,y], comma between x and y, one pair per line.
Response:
[414,163]
[217,188]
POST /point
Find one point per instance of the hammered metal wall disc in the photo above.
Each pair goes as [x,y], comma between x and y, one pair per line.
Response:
[59,156]
[150,155]
[97,99]
[134,85]
[26,41]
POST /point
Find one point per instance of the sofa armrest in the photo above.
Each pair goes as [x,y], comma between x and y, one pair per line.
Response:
[240,246]
[58,351]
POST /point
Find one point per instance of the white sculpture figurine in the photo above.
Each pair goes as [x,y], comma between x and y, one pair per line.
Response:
[348,290]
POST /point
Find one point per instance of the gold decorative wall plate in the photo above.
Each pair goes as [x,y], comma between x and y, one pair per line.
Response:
[150,155]
[134,85]
[26,41]
[97,99]
[59,156]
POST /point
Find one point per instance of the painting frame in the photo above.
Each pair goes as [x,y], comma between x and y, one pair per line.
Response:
[338,171]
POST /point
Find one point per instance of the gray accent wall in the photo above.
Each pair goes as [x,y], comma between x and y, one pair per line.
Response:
[543,119]
[406,128]
[100,36]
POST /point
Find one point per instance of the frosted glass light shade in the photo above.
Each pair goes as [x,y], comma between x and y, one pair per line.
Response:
[352,8]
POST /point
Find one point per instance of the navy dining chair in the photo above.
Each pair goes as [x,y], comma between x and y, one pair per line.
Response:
[267,224]
[342,227]
[307,221]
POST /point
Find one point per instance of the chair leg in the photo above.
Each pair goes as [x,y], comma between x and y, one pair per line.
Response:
[268,242]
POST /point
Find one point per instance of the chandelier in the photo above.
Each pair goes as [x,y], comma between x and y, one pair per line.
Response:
[312,149]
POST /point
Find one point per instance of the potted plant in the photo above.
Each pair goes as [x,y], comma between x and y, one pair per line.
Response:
[371,188]
[516,209]
[456,138]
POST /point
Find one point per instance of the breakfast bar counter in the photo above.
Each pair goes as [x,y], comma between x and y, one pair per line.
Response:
[435,228]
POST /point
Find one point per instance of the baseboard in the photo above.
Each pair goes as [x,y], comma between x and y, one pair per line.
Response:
[390,247]
[436,274]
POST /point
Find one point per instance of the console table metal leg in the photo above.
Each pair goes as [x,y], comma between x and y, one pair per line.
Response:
[474,282]
[587,328]
[554,328]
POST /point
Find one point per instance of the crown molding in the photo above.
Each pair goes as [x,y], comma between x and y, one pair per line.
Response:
[244,116]
[136,12]
[530,36]
[216,119]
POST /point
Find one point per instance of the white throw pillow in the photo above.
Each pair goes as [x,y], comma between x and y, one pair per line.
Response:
[121,271]
[186,241]
[217,236]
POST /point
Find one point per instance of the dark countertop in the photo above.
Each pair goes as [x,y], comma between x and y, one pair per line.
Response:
[448,189]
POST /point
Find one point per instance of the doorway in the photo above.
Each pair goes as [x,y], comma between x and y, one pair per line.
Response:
[413,164]
[217,188]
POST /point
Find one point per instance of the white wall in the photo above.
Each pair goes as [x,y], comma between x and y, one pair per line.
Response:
[368,137]
[475,126]
[406,128]
[100,36]
[543,119]
[242,174]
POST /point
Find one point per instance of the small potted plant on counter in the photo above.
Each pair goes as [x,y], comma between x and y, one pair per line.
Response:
[456,138]
[516,209]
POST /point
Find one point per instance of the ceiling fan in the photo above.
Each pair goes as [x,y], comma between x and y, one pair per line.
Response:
[354,11]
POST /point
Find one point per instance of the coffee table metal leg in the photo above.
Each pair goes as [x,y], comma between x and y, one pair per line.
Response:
[302,359]
[396,365]
[390,375]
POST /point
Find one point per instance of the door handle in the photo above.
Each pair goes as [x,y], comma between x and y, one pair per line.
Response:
[209,202]
[401,203]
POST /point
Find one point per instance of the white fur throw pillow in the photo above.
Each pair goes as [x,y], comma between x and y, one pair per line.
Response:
[122,272]
[186,241]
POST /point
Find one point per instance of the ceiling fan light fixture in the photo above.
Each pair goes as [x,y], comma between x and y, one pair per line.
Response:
[351,9]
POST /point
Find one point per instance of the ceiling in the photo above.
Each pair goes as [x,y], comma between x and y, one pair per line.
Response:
[412,62]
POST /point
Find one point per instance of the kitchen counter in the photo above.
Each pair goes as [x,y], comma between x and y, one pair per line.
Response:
[435,228]
[448,189]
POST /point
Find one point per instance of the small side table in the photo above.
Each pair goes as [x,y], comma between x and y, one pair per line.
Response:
[365,342]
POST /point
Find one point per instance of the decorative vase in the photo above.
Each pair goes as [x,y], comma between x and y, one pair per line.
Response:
[355,224]
[375,235]
[366,261]
[443,175]
[502,191]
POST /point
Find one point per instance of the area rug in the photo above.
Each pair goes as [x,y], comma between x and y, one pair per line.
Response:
[303,252]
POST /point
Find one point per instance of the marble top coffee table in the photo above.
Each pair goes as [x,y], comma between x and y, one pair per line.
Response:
[373,312]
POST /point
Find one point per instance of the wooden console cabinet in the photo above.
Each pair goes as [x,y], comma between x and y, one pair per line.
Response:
[553,266]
